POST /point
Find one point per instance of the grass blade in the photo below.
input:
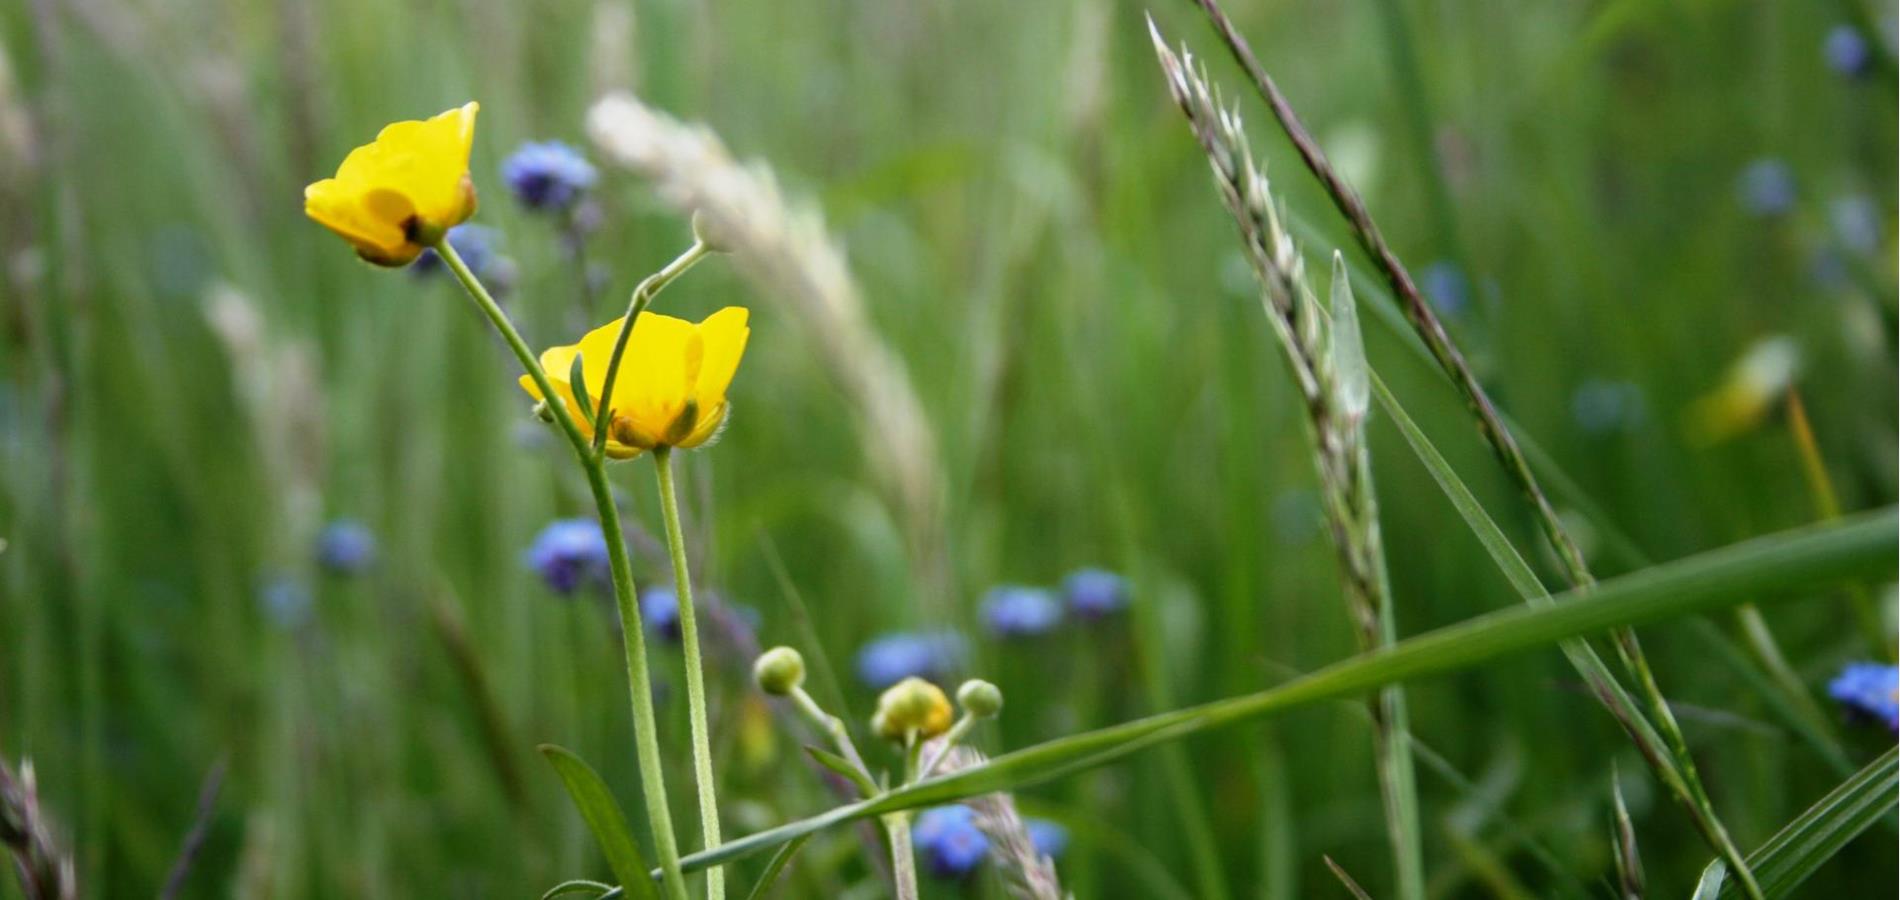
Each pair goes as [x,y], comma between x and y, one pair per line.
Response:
[604,819]
[1799,848]
[776,867]
[1804,559]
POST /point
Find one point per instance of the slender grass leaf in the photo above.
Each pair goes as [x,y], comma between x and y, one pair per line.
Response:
[843,767]
[1349,350]
[1774,565]
[776,867]
[1799,848]
[604,818]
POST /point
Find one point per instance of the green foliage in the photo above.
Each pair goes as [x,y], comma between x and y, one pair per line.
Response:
[193,378]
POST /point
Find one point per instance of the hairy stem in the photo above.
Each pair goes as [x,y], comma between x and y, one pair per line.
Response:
[639,681]
[695,674]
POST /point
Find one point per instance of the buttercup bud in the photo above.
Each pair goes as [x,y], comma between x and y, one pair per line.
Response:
[912,705]
[980,698]
[779,670]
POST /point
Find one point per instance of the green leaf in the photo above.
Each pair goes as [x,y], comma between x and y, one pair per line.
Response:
[578,886]
[1775,565]
[577,384]
[605,819]
[772,869]
[1799,848]
[843,767]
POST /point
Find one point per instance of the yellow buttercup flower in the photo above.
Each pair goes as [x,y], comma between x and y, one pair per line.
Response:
[401,192]
[671,388]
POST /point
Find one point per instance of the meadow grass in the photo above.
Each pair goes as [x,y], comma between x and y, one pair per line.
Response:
[1011,334]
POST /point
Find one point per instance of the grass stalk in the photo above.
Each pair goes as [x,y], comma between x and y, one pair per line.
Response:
[639,678]
[1491,426]
[1333,382]
[695,673]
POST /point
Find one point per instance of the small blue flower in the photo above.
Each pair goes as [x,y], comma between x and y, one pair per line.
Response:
[570,553]
[1601,406]
[1016,611]
[1856,221]
[549,175]
[1050,839]
[1847,51]
[286,602]
[1446,287]
[1095,593]
[1766,187]
[660,610]
[891,658]
[949,840]
[346,547]
[1869,691]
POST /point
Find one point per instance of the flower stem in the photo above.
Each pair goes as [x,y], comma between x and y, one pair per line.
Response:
[695,674]
[645,725]
[643,294]
[903,858]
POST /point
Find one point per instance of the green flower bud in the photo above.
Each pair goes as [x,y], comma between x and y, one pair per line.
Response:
[912,705]
[779,670]
[980,698]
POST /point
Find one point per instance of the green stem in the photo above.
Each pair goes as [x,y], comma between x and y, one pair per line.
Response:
[903,858]
[645,725]
[695,674]
[643,295]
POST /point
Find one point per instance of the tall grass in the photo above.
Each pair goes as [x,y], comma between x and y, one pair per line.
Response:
[193,379]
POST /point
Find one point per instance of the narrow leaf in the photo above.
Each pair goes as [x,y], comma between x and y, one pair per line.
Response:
[604,818]
[1799,848]
[577,384]
[1768,567]
[843,767]
[777,866]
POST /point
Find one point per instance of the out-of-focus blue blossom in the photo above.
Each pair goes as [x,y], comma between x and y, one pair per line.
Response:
[346,547]
[1869,691]
[1050,839]
[949,841]
[1446,287]
[1766,187]
[479,248]
[286,602]
[1856,220]
[660,611]
[1847,51]
[1017,611]
[1095,593]
[891,658]
[548,175]
[1828,268]
[1601,406]
[570,553]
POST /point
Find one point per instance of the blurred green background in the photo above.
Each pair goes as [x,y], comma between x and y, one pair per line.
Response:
[1610,201]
